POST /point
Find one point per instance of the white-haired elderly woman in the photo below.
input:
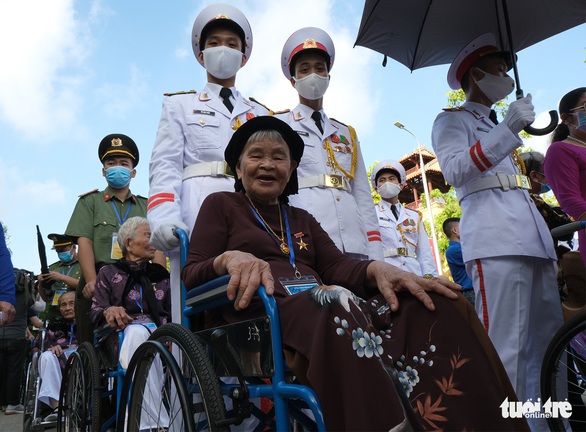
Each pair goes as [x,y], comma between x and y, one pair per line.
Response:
[133,294]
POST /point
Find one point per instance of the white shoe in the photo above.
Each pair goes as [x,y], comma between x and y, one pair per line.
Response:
[14,409]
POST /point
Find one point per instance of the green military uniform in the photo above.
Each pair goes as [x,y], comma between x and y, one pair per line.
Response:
[72,269]
[98,215]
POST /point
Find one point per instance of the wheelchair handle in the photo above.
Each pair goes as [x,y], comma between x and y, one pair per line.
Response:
[567,229]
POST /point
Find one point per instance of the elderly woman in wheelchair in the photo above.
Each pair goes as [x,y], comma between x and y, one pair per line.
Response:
[60,340]
[382,348]
[132,296]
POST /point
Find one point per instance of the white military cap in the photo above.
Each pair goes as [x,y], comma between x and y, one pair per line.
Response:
[307,38]
[483,45]
[388,165]
[226,15]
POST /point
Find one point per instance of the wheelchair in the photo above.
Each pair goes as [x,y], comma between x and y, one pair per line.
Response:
[207,357]
[98,394]
[563,370]
[32,421]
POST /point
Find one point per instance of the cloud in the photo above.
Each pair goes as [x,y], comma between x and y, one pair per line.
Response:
[40,75]
[117,99]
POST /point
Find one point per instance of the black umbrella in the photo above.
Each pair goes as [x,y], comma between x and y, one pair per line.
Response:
[42,252]
[420,33]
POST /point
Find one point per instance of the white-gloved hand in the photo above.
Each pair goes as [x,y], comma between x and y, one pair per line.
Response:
[520,114]
[163,237]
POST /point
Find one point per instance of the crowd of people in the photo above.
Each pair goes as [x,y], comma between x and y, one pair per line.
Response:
[284,200]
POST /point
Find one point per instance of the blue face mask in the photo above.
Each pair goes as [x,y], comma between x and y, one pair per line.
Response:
[118,176]
[581,116]
[65,257]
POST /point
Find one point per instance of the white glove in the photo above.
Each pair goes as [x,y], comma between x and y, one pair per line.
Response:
[520,114]
[163,236]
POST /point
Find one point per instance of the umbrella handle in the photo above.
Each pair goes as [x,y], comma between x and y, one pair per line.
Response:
[553,114]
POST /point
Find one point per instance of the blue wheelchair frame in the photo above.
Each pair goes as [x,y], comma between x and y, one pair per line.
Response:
[213,294]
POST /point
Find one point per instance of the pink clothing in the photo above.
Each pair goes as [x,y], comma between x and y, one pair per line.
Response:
[565,168]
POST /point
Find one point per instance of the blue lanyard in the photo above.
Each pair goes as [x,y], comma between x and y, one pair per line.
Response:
[139,304]
[68,273]
[120,221]
[289,240]
[70,333]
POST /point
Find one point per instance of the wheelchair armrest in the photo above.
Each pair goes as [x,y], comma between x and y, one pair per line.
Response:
[213,294]
[207,296]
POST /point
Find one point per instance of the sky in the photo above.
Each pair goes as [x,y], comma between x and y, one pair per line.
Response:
[73,72]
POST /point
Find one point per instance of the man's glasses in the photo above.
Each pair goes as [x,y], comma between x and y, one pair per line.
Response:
[579,108]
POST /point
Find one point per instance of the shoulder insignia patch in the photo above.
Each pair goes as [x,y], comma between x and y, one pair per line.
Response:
[89,193]
[180,93]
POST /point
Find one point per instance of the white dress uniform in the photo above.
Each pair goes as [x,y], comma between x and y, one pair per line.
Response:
[345,212]
[187,162]
[506,245]
[405,241]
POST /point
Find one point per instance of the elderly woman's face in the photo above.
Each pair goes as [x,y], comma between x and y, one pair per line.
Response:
[265,167]
[140,248]
[67,305]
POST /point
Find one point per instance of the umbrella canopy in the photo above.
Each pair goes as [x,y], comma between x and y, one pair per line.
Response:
[420,33]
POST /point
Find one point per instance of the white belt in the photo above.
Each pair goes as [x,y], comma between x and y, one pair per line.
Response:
[325,181]
[202,169]
[402,251]
[500,180]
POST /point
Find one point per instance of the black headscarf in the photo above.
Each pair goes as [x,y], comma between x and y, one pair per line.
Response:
[244,132]
[146,275]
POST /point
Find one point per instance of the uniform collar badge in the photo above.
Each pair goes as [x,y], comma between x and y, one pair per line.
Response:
[204,97]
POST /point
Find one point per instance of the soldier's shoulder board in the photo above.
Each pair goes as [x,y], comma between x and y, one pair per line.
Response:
[454,109]
[89,193]
[180,93]
[339,122]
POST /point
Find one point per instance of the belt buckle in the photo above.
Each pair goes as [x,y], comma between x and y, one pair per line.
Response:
[523,181]
[227,171]
[402,251]
[333,181]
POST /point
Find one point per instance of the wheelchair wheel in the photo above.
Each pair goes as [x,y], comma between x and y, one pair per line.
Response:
[158,395]
[207,404]
[80,393]
[563,372]
[30,392]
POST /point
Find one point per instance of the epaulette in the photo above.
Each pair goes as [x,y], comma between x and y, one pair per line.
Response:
[338,121]
[180,93]
[271,112]
[89,193]
[414,211]
[460,108]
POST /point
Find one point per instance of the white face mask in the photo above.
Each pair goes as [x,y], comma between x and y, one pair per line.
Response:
[389,190]
[312,86]
[222,62]
[495,87]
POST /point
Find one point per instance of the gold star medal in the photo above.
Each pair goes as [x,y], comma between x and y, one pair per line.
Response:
[301,243]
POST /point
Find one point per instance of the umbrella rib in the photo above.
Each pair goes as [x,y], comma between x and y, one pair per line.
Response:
[419,35]
[367,20]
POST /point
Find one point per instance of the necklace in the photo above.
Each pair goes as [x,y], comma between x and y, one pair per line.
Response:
[577,140]
[283,246]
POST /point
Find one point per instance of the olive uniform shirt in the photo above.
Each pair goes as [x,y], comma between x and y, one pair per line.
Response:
[95,218]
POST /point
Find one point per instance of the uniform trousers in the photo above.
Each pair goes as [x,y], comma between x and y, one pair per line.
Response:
[50,373]
[11,366]
[83,325]
[517,300]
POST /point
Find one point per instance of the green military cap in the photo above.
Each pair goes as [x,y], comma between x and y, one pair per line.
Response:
[60,240]
[118,145]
